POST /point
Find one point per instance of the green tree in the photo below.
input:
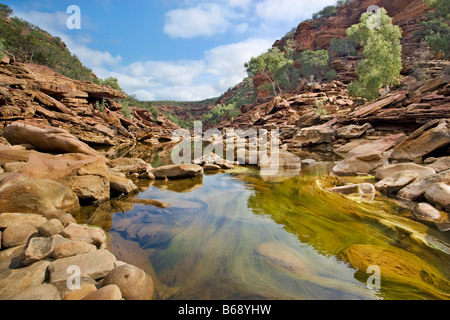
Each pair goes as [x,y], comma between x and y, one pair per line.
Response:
[326,12]
[382,55]
[5,10]
[315,64]
[273,65]
[342,47]
[437,30]
[112,82]
[2,48]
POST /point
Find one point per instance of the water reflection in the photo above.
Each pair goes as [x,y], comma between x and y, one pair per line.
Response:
[235,235]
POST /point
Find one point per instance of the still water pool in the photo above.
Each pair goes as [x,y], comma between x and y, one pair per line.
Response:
[238,235]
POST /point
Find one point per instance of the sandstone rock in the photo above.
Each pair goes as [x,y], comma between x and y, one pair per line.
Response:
[121,184]
[281,160]
[393,183]
[309,162]
[13,281]
[314,136]
[431,136]
[441,164]
[390,170]
[9,179]
[86,286]
[84,233]
[213,159]
[425,211]
[72,248]
[38,293]
[211,167]
[354,166]
[109,292]
[38,196]
[352,131]
[417,189]
[439,195]
[64,217]
[181,171]
[9,219]
[94,264]
[133,282]
[50,227]
[16,235]
[362,189]
[86,175]
[88,188]
[365,158]
[47,139]
[79,294]
[129,165]
[14,167]
[39,248]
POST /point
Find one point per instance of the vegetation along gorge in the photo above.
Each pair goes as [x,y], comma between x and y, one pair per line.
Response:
[351,108]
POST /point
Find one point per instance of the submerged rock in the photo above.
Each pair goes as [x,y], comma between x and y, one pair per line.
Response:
[362,189]
[400,267]
[282,257]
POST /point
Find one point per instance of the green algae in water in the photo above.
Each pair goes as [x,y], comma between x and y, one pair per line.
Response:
[236,236]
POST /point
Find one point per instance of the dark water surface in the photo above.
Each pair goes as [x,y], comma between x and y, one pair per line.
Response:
[238,235]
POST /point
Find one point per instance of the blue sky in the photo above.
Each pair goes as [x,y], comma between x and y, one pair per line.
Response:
[170,49]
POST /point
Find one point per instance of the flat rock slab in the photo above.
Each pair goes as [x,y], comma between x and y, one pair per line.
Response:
[9,219]
[180,171]
[13,281]
[95,264]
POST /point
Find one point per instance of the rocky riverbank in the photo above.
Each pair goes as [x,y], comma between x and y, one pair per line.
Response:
[44,253]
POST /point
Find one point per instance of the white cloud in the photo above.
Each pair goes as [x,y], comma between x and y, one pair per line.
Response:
[229,60]
[203,20]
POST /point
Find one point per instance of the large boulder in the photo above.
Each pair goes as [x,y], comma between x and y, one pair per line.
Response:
[352,131]
[133,282]
[86,175]
[433,135]
[129,166]
[9,219]
[313,136]
[178,171]
[121,184]
[365,157]
[38,196]
[96,264]
[46,139]
[439,195]
[417,189]
[397,181]
[390,170]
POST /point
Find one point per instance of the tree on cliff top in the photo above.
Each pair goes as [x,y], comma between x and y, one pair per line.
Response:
[382,54]
[273,65]
[437,29]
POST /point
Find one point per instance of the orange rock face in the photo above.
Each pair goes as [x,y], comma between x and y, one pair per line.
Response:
[405,13]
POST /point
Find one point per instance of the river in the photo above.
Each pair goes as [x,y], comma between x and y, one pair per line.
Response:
[238,235]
